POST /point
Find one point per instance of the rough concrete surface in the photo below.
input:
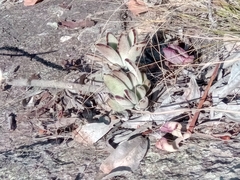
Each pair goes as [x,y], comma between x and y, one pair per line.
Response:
[28,40]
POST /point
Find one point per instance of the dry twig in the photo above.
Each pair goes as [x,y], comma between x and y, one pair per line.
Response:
[192,122]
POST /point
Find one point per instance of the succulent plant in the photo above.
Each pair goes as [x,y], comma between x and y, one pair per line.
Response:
[128,89]
[127,85]
[117,50]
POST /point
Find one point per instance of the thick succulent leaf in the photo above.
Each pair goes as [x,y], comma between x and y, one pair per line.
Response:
[109,53]
[141,92]
[96,77]
[123,77]
[134,69]
[115,85]
[133,79]
[114,105]
[142,104]
[131,96]
[135,51]
[123,47]
[132,37]
[146,81]
[112,41]
[124,102]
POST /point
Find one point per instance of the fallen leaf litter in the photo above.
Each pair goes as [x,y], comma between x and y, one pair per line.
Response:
[133,147]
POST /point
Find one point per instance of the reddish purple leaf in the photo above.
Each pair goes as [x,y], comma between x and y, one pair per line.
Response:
[177,55]
[77,24]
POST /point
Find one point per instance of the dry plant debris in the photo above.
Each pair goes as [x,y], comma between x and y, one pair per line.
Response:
[137,6]
[126,104]
[125,83]
[77,24]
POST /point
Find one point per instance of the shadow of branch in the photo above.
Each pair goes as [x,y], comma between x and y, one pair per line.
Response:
[33,56]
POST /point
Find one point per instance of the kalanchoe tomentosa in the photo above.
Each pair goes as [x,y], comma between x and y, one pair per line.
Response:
[117,50]
[127,85]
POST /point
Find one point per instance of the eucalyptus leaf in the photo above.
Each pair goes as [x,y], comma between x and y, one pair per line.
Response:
[127,154]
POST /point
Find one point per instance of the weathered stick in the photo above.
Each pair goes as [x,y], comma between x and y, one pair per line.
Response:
[84,88]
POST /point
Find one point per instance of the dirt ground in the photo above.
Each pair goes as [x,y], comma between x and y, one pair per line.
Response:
[31,44]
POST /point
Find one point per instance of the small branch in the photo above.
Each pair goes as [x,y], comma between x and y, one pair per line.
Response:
[195,117]
[56,84]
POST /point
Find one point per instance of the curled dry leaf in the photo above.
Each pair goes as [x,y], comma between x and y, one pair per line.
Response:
[137,6]
[177,55]
[31,2]
[91,133]
[127,154]
[77,24]
[192,92]
[172,127]
[163,144]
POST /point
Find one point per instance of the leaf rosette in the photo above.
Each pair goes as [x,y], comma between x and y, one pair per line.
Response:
[127,85]
[117,50]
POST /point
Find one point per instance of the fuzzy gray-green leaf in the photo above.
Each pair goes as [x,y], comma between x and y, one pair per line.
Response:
[146,81]
[123,77]
[123,47]
[132,37]
[134,69]
[133,79]
[115,105]
[135,51]
[141,91]
[124,102]
[131,96]
[142,104]
[109,53]
[112,41]
[114,85]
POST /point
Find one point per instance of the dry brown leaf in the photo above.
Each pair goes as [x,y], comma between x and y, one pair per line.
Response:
[128,154]
[137,6]
[177,55]
[91,133]
[172,127]
[31,2]
[163,143]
